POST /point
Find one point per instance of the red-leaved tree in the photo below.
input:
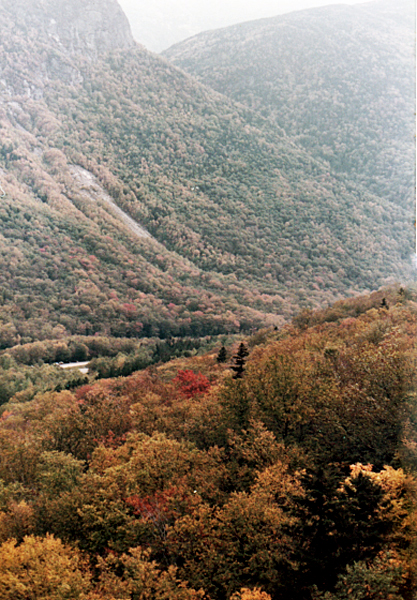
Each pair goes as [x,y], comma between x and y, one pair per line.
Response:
[191,384]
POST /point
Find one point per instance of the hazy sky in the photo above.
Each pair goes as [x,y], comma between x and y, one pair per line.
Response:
[160,23]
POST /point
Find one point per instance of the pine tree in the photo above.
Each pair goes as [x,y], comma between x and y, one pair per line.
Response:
[239,361]
[222,355]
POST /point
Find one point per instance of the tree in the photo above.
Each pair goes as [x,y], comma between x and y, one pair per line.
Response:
[381,579]
[236,404]
[239,361]
[341,523]
[42,568]
[191,383]
[133,492]
[242,543]
[222,355]
[247,594]
[135,575]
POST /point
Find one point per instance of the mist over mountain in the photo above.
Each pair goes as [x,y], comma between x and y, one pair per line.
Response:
[162,23]
[340,80]
[47,35]
[243,227]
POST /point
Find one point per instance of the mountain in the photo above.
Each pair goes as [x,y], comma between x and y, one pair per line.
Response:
[340,80]
[234,224]
[77,27]
[162,23]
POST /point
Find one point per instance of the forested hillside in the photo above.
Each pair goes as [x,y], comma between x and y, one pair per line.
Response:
[277,467]
[227,441]
[340,80]
[246,227]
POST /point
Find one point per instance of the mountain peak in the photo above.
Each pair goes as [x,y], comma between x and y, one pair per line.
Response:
[88,27]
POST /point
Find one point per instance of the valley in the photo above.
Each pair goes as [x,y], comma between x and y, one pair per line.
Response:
[249,228]
[208,307]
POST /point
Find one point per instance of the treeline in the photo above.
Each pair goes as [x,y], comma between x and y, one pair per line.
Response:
[294,480]
[28,369]
[82,348]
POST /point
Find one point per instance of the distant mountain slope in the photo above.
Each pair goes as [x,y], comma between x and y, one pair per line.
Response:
[162,23]
[71,265]
[246,227]
[338,79]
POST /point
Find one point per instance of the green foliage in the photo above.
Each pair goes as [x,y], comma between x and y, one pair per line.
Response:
[343,525]
[58,473]
[349,104]
[274,485]
[239,361]
[24,382]
[378,580]
[222,355]
[226,196]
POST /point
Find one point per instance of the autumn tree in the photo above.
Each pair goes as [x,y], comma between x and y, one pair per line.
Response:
[135,575]
[191,384]
[382,578]
[250,594]
[342,522]
[42,568]
[242,543]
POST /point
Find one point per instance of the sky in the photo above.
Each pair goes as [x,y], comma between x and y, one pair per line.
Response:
[158,24]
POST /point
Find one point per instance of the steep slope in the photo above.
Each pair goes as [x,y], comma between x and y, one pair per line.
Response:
[88,27]
[72,261]
[72,265]
[339,79]
[245,226]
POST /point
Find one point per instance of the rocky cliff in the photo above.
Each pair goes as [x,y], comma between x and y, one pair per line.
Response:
[44,39]
[88,27]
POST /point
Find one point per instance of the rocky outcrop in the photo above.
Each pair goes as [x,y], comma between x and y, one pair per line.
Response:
[43,40]
[87,27]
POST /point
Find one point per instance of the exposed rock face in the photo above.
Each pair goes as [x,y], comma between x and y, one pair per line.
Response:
[88,27]
[44,39]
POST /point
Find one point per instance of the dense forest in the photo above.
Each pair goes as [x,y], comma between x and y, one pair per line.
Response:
[246,228]
[280,466]
[340,80]
[245,424]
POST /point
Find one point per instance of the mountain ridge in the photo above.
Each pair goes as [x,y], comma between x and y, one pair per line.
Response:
[248,228]
[338,79]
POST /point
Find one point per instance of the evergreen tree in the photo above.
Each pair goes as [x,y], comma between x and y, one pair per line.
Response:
[339,524]
[222,355]
[239,361]
[384,304]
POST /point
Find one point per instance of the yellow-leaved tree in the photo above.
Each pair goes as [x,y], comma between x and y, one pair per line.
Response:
[134,575]
[42,568]
[247,594]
